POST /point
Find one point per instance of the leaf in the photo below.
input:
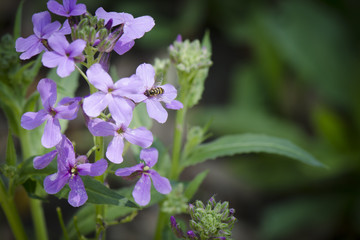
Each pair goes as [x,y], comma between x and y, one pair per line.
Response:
[206,42]
[10,150]
[194,185]
[98,193]
[67,86]
[249,143]
[17,25]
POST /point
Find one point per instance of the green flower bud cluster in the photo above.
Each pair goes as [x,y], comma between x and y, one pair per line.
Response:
[215,220]
[176,202]
[189,56]
[161,67]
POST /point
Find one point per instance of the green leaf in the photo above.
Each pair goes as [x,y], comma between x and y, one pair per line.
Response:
[98,193]
[206,42]
[194,185]
[10,150]
[249,143]
[17,27]
[12,117]
[67,86]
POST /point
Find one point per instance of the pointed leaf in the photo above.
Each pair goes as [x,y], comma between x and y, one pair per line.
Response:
[17,27]
[10,150]
[194,185]
[249,143]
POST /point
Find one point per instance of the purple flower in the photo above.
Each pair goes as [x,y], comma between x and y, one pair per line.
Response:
[69,169]
[63,55]
[142,188]
[110,95]
[68,9]
[139,136]
[67,109]
[43,29]
[153,94]
[134,28]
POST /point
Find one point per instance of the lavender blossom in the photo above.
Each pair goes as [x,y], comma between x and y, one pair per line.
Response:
[67,109]
[141,192]
[139,136]
[68,9]
[43,30]
[69,169]
[110,95]
[153,94]
[134,28]
[64,55]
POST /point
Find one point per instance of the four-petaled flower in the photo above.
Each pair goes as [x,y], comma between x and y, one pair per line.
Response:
[110,95]
[43,29]
[134,28]
[153,94]
[141,192]
[68,9]
[139,136]
[64,55]
[67,109]
[69,169]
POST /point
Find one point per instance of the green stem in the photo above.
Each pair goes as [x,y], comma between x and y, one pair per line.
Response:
[162,220]
[11,213]
[37,211]
[177,144]
[61,220]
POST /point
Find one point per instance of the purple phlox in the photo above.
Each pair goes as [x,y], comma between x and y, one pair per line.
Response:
[141,192]
[43,30]
[69,170]
[110,95]
[67,108]
[139,136]
[68,9]
[153,94]
[64,55]
[133,28]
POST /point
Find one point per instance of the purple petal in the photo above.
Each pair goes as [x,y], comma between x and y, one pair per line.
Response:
[99,78]
[56,8]
[169,94]
[32,51]
[93,169]
[121,109]
[79,9]
[52,59]
[59,44]
[66,154]
[124,172]
[132,88]
[41,162]
[174,105]
[68,111]
[161,184]
[30,47]
[115,149]
[98,127]
[50,29]
[156,110]
[116,17]
[52,134]
[40,20]
[146,72]
[31,120]
[65,29]
[141,192]
[47,89]
[95,103]
[137,27]
[55,182]
[66,67]
[140,136]
[76,48]
[150,156]
[123,45]
[77,195]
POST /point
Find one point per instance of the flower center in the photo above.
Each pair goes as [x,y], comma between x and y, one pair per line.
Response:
[52,112]
[146,168]
[73,171]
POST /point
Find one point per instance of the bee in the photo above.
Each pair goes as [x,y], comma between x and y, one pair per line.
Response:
[154,91]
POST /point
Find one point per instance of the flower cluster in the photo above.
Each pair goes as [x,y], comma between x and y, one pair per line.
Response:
[213,221]
[88,40]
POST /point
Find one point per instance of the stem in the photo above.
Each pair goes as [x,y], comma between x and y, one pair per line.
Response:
[35,204]
[162,219]
[177,144]
[61,220]
[11,213]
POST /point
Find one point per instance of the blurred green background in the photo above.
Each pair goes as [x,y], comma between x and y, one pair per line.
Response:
[284,68]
